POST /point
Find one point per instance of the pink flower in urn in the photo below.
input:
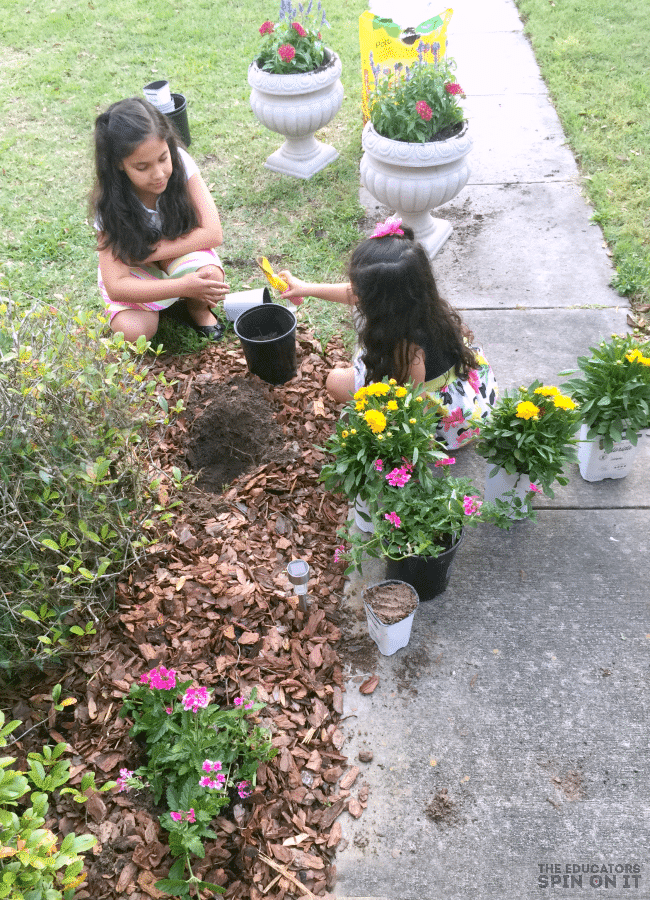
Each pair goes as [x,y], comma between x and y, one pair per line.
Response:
[286,52]
[392,225]
[454,88]
[423,110]
[267,28]
[298,27]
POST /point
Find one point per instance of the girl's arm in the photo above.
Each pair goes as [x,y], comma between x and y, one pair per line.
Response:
[336,293]
[417,368]
[205,236]
[122,287]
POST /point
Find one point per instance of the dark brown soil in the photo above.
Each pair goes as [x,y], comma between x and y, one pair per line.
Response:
[441,809]
[391,601]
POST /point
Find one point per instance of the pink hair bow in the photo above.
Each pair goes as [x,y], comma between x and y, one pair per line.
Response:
[392,225]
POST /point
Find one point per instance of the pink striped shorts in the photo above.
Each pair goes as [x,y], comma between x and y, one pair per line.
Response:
[190,262]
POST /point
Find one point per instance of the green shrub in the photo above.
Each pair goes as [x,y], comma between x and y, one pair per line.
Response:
[76,488]
[33,865]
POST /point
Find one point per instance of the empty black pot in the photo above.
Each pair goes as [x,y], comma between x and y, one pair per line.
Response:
[178,118]
[268,338]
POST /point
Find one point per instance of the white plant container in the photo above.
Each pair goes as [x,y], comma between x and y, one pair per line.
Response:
[239,301]
[596,464]
[360,506]
[501,483]
[391,638]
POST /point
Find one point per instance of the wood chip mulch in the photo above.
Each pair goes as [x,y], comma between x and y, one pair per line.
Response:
[212,600]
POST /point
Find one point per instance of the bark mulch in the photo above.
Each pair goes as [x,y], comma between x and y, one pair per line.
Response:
[212,600]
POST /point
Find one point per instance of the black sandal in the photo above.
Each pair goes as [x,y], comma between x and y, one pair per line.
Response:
[211,332]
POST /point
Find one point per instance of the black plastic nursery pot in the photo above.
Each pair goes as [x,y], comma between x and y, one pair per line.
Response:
[178,118]
[429,575]
[268,338]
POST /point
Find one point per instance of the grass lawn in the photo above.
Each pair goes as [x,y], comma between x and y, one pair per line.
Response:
[64,62]
[595,58]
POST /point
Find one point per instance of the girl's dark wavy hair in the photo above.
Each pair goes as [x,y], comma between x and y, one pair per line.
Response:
[113,202]
[400,306]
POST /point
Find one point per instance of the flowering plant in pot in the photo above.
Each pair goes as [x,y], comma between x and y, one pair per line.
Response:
[416,144]
[613,390]
[295,43]
[531,435]
[418,103]
[382,428]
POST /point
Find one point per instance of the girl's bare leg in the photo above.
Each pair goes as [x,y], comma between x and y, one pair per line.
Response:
[340,384]
[198,310]
[135,322]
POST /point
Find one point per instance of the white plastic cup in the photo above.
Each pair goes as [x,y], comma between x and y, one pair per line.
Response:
[159,95]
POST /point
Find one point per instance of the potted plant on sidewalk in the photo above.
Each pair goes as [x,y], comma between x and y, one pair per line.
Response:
[296,88]
[613,391]
[384,426]
[528,441]
[416,144]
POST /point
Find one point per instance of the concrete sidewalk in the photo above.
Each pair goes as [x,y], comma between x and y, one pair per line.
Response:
[510,738]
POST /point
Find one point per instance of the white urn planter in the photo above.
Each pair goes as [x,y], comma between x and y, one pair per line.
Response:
[596,464]
[296,106]
[415,178]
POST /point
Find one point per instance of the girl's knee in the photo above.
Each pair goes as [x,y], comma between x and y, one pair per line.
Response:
[214,270]
[340,384]
[135,324]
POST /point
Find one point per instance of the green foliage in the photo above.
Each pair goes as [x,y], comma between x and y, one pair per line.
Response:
[418,104]
[532,431]
[33,865]
[613,390]
[188,743]
[384,424]
[305,40]
[76,409]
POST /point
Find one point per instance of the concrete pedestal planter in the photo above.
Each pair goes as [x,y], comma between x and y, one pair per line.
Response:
[596,464]
[296,106]
[413,179]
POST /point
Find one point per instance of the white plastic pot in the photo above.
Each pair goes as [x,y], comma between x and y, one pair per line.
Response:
[499,484]
[596,464]
[390,638]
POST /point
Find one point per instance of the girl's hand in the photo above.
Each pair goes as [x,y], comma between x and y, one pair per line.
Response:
[297,288]
[203,285]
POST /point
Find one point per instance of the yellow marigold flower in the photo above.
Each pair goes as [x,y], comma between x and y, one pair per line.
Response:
[633,355]
[549,391]
[380,389]
[527,410]
[644,360]
[345,434]
[401,392]
[360,394]
[360,404]
[376,420]
[392,404]
[563,402]
[412,421]
[392,381]
[420,399]
[389,434]
[353,431]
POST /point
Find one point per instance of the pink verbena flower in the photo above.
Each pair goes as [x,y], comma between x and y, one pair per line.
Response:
[472,505]
[214,784]
[338,553]
[286,52]
[267,28]
[249,705]
[176,816]
[238,701]
[161,679]
[534,488]
[449,461]
[212,765]
[393,518]
[454,88]
[122,781]
[195,698]
[181,816]
[398,477]
[407,465]
[379,465]
[244,789]
[169,710]
[423,110]
[298,27]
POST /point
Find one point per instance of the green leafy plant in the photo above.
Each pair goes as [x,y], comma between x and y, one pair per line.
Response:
[383,426]
[76,412]
[295,44]
[33,865]
[417,103]
[613,390]
[532,432]
[197,756]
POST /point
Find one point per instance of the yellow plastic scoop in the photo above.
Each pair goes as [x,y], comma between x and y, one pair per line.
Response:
[278,283]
